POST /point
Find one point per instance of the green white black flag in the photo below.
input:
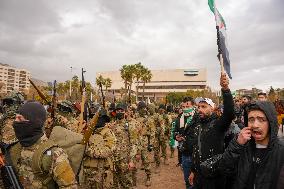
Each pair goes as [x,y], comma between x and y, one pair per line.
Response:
[222,41]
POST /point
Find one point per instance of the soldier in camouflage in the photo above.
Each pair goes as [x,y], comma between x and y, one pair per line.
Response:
[126,148]
[52,169]
[65,116]
[147,133]
[162,136]
[98,160]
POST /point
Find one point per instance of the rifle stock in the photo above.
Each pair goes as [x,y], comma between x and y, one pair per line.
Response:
[42,96]
[90,128]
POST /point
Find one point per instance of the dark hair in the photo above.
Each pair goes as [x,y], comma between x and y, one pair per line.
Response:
[188,99]
[261,93]
[253,107]
[247,96]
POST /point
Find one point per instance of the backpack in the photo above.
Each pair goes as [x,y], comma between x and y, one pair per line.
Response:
[68,140]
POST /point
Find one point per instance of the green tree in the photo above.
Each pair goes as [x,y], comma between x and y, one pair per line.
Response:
[145,78]
[107,83]
[138,72]
[272,96]
[127,74]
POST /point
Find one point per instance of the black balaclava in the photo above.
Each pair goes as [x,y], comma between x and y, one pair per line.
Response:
[28,132]
[120,115]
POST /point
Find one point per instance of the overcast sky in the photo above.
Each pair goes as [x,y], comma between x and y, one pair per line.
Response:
[48,36]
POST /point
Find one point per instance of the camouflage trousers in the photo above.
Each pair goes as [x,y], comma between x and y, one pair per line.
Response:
[160,146]
[122,175]
[145,164]
[98,177]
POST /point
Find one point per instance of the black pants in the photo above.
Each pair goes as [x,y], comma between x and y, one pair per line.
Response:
[179,157]
[210,183]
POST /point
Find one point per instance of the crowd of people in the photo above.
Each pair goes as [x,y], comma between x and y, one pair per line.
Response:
[237,146]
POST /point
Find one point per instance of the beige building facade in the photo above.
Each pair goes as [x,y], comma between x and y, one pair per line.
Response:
[13,79]
[162,82]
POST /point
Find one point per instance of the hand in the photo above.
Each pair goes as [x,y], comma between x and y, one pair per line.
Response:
[137,157]
[49,122]
[131,166]
[244,136]
[224,81]
[191,178]
[179,138]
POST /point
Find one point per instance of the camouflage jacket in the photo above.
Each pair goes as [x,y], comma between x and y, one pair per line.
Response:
[147,130]
[7,133]
[101,144]
[59,169]
[127,140]
[68,122]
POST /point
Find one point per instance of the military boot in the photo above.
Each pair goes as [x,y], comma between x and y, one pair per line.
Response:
[134,178]
[172,153]
[148,181]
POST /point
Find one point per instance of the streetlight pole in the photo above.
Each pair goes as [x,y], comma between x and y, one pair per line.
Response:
[70,85]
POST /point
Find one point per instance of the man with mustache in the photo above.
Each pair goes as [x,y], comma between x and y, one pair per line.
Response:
[257,152]
[208,137]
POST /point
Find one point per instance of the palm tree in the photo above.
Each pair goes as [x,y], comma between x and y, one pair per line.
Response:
[100,81]
[127,74]
[107,83]
[146,77]
[138,71]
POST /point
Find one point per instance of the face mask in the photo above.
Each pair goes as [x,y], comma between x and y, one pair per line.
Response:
[120,116]
[27,133]
[142,112]
[187,110]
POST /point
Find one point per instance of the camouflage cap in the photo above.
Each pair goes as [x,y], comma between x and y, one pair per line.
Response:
[121,106]
[141,105]
[162,106]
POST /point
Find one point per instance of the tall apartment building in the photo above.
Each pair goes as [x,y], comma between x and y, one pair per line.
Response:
[14,79]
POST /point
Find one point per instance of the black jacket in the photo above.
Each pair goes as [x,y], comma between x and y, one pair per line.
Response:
[268,172]
[210,132]
[187,132]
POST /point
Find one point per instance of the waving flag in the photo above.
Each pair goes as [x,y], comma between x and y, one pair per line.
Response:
[221,37]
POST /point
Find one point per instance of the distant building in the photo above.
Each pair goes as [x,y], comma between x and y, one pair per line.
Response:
[162,82]
[251,92]
[13,79]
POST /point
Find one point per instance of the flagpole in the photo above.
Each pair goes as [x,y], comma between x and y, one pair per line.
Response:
[222,64]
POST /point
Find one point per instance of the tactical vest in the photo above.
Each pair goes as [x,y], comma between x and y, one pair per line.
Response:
[41,162]
[69,141]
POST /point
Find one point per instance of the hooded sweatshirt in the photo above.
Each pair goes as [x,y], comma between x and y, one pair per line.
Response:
[267,173]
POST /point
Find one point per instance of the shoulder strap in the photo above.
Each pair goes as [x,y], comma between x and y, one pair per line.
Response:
[37,164]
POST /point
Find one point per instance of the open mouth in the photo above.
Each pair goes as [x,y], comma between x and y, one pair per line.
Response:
[257,133]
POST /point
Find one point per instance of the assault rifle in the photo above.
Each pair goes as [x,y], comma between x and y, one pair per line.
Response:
[8,174]
[90,128]
[52,105]
[82,112]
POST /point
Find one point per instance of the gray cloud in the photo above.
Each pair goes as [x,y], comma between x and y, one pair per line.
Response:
[47,37]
